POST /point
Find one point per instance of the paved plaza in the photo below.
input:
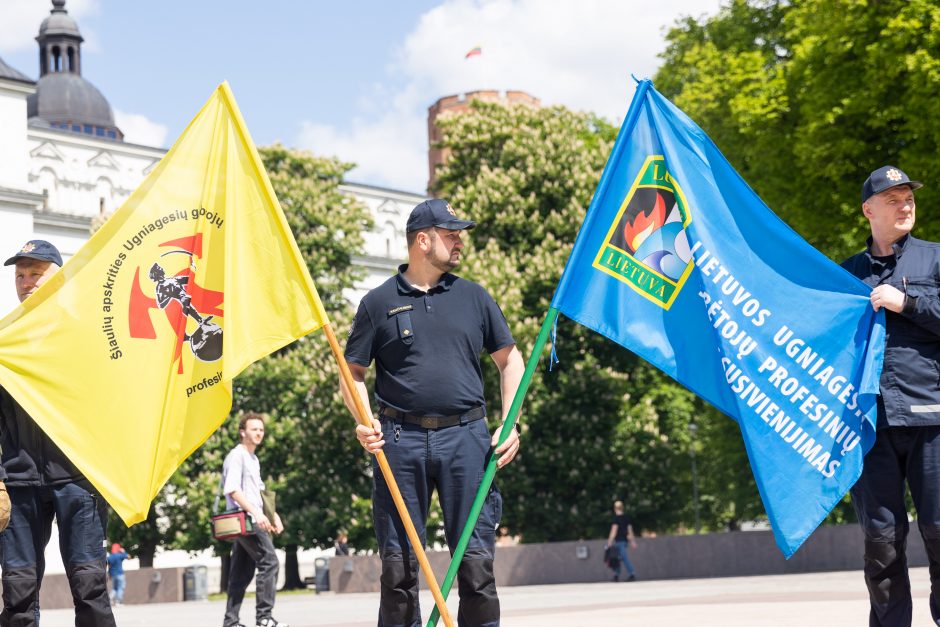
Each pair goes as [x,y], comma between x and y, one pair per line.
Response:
[832,599]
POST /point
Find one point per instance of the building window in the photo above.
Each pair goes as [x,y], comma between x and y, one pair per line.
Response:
[56,59]
[88,129]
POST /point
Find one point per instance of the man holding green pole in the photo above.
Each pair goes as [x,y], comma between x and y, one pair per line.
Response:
[425,328]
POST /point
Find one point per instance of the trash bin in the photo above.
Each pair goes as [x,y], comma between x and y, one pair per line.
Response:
[196,583]
[321,573]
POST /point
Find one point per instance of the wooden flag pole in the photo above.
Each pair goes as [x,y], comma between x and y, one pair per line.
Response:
[364,417]
[490,473]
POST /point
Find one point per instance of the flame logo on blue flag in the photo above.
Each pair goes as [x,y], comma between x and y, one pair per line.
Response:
[647,247]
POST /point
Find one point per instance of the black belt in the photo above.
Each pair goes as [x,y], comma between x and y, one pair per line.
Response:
[435,422]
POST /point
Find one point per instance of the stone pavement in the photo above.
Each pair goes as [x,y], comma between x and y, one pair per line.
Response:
[832,599]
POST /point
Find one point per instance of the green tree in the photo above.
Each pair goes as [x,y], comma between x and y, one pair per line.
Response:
[805,107]
[309,456]
[603,424]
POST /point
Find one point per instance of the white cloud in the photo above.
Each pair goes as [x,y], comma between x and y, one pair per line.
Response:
[138,129]
[578,53]
[21,20]
[385,150]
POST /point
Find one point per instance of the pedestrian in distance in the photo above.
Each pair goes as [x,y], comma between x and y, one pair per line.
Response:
[342,543]
[116,573]
[621,533]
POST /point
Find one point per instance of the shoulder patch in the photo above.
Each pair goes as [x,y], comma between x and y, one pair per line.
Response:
[398,310]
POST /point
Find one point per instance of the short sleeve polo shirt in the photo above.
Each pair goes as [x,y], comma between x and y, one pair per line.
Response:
[427,345]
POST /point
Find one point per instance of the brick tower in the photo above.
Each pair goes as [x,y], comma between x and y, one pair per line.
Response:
[458,103]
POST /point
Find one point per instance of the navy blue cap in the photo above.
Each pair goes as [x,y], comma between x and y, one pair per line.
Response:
[37,249]
[884,178]
[436,212]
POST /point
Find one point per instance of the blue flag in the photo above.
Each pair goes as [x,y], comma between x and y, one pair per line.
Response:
[681,262]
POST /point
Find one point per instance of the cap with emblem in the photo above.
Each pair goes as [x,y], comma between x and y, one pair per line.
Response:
[436,212]
[36,249]
[884,178]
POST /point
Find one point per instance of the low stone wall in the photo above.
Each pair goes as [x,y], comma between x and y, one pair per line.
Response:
[734,554]
[147,585]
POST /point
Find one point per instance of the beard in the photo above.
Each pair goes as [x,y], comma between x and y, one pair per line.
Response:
[444,265]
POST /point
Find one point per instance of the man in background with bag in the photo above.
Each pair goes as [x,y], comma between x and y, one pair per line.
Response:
[242,486]
[621,532]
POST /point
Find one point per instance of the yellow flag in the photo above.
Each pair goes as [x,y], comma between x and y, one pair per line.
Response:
[125,357]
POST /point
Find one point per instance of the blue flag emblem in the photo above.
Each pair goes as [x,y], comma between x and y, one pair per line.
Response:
[647,247]
[681,262]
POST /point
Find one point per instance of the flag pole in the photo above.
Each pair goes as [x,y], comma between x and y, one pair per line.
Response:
[490,473]
[364,417]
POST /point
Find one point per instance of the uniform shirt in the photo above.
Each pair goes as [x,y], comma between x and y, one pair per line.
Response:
[241,471]
[427,345]
[910,377]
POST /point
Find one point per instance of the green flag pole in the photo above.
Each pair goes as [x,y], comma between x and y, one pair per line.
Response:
[484,490]
[625,129]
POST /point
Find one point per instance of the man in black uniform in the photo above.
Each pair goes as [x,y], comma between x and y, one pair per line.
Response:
[425,328]
[904,273]
[43,484]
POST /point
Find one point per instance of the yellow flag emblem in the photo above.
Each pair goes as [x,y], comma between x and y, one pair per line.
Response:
[131,347]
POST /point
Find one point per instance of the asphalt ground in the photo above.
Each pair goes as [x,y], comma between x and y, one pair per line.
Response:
[832,599]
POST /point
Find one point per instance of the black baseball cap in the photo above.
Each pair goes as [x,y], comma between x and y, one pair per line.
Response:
[884,178]
[37,249]
[436,212]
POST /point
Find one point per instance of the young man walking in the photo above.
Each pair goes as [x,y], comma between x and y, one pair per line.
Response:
[242,485]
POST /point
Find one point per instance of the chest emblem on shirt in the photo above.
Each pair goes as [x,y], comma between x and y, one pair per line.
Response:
[397,310]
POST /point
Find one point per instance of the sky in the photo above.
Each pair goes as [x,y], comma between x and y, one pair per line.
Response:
[350,79]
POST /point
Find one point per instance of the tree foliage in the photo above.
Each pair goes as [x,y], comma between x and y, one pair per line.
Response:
[806,107]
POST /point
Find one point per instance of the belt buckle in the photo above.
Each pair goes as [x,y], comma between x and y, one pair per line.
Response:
[429,422]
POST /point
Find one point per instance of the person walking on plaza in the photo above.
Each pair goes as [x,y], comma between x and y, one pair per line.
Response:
[342,543]
[425,329]
[904,274]
[621,532]
[116,572]
[242,486]
[44,485]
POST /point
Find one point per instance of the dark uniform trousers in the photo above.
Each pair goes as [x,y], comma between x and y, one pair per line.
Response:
[81,515]
[900,454]
[451,460]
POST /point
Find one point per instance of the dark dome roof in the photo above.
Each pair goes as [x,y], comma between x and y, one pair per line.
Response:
[59,22]
[10,73]
[66,97]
